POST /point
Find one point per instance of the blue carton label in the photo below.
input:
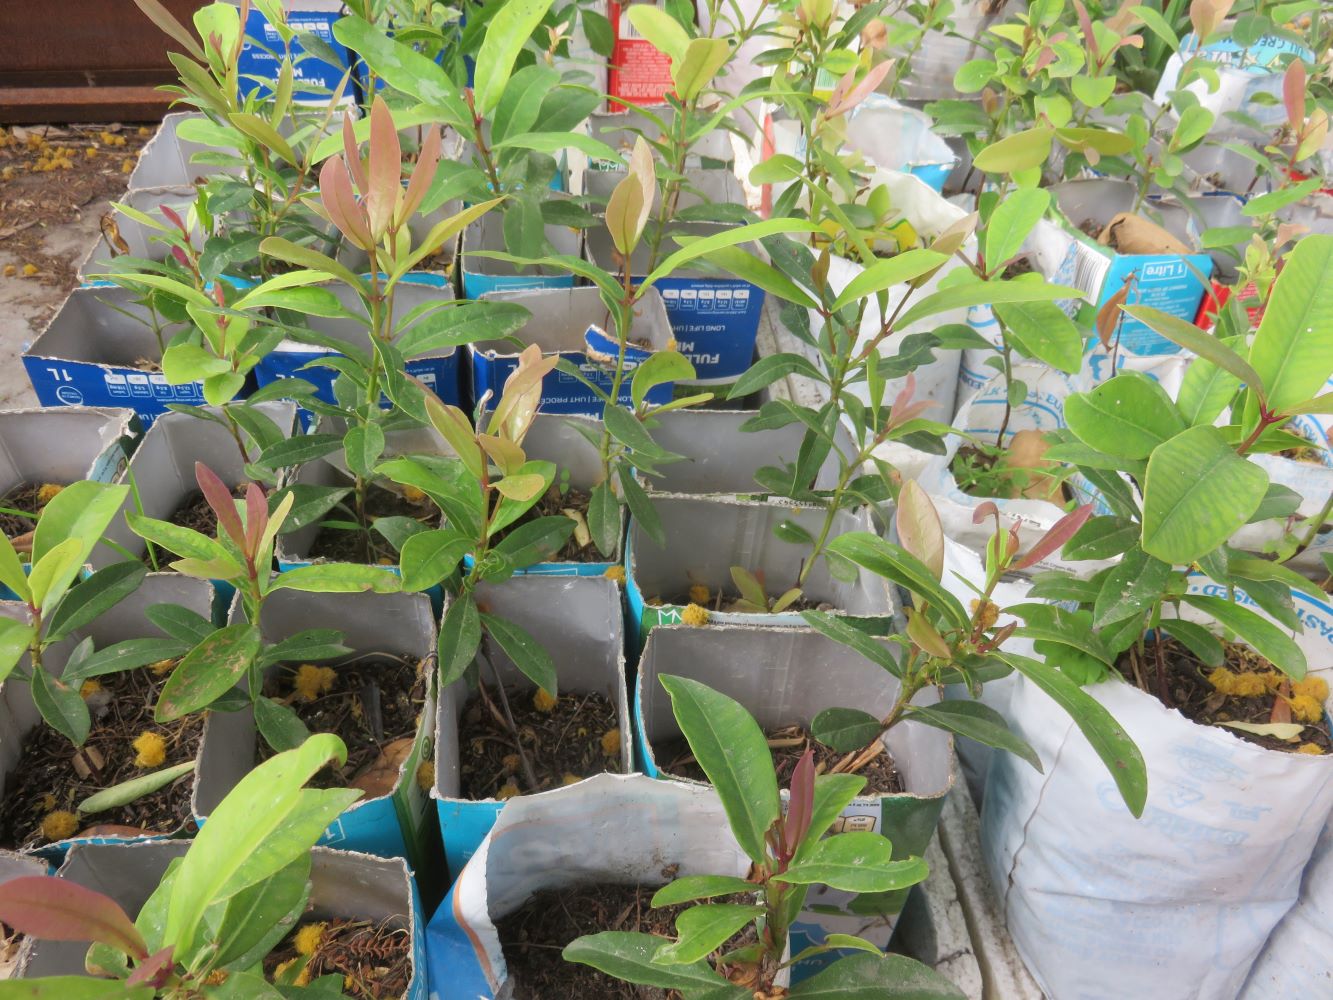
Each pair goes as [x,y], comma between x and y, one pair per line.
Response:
[320,77]
[79,383]
[440,375]
[464,825]
[371,828]
[714,321]
[562,393]
[1168,282]
[475,284]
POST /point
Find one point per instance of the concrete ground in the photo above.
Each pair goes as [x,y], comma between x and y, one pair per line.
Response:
[56,184]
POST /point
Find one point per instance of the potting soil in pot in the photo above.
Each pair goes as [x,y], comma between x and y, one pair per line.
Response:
[534,935]
[53,777]
[29,498]
[373,703]
[564,739]
[788,745]
[1017,470]
[572,503]
[341,540]
[1246,689]
[373,959]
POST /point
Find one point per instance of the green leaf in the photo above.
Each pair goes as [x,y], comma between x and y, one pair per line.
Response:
[61,706]
[298,450]
[1126,416]
[728,238]
[363,445]
[93,597]
[871,977]
[977,722]
[855,862]
[1010,224]
[1197,493]
[660,28]
[1130,588]
[626,428]
[265,823]
[703,929]
[127,791]
[743,265]
[402,68]
[703,58]
[539,540]
[1271,642]
[54,572]
[895,563]
[769,369]
[1043,331]
[1202,343]
[660,368]
[604,519]
[526,653]
[1197,639]
[1102,538]
[1293,348]
[254,920]
[74,987]
[873,649]
[124,655]
[506,34]
[978,293]
[80,511]
[1205,392]
[641,505]
[208,671]
[1017,152]
[460,636]
[845,729]
[732,750]
[286,250]
[629,957]
[1109,741]
[15,638]
[281,727]
[886,273]
[338,578]
[692,887]
[430,556]
[182,541]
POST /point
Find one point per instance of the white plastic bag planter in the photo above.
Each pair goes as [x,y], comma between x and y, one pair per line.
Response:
[1178,904]
[706,537]
[714,316]
[610,828]
[438,370]
[557,439]
[1041,410]
[19,715]
[578,621]
[485,274]
[721,459]
[342,885]
[1248,79]
[1172,283]
[785,677]
[162,474]
[92,354]
[573,324]
[393,825]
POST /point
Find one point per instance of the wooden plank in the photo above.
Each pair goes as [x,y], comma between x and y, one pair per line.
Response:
[26,105]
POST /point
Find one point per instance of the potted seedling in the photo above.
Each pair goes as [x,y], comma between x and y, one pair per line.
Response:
[196,933]
[1215,687]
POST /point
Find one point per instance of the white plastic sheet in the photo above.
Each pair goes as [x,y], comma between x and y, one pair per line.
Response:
[1176,905]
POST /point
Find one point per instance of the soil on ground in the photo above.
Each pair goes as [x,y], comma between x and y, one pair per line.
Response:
[1192,688]
[577,736]
[347,544]
[534,935]
[788,745]
[50,774]
[47,175]
[25,497]
[553,502]
[374,959]
[374,704]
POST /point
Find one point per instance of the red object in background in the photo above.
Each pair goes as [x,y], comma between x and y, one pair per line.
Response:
[1298,176]
[638,73]
[1217,297]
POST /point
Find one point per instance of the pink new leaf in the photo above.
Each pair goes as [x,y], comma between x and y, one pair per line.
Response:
[256,518]
[841,103]
[1085,23]
[386,170]
[219,498]
[801,808]
[352,152]
[174,218]
[154,970]
[335,189]
[919,527]
[422,174]
[1060,532]
[55,910]
[1293,94]
[984,510]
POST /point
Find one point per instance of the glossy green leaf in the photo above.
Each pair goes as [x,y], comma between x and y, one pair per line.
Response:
[845,729]
[1293,348]
[1043,330]
[1126,416]
[460,636]
[1009,225]
[860,861]
[870,977]
[691,887]
[733,752]
[524,650]
[93,597]
[134,788]
[629,957]
[1270,641]
[209,670]
[978,722]
[506,34]
[338,578]
[1197,493]
[61,706]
